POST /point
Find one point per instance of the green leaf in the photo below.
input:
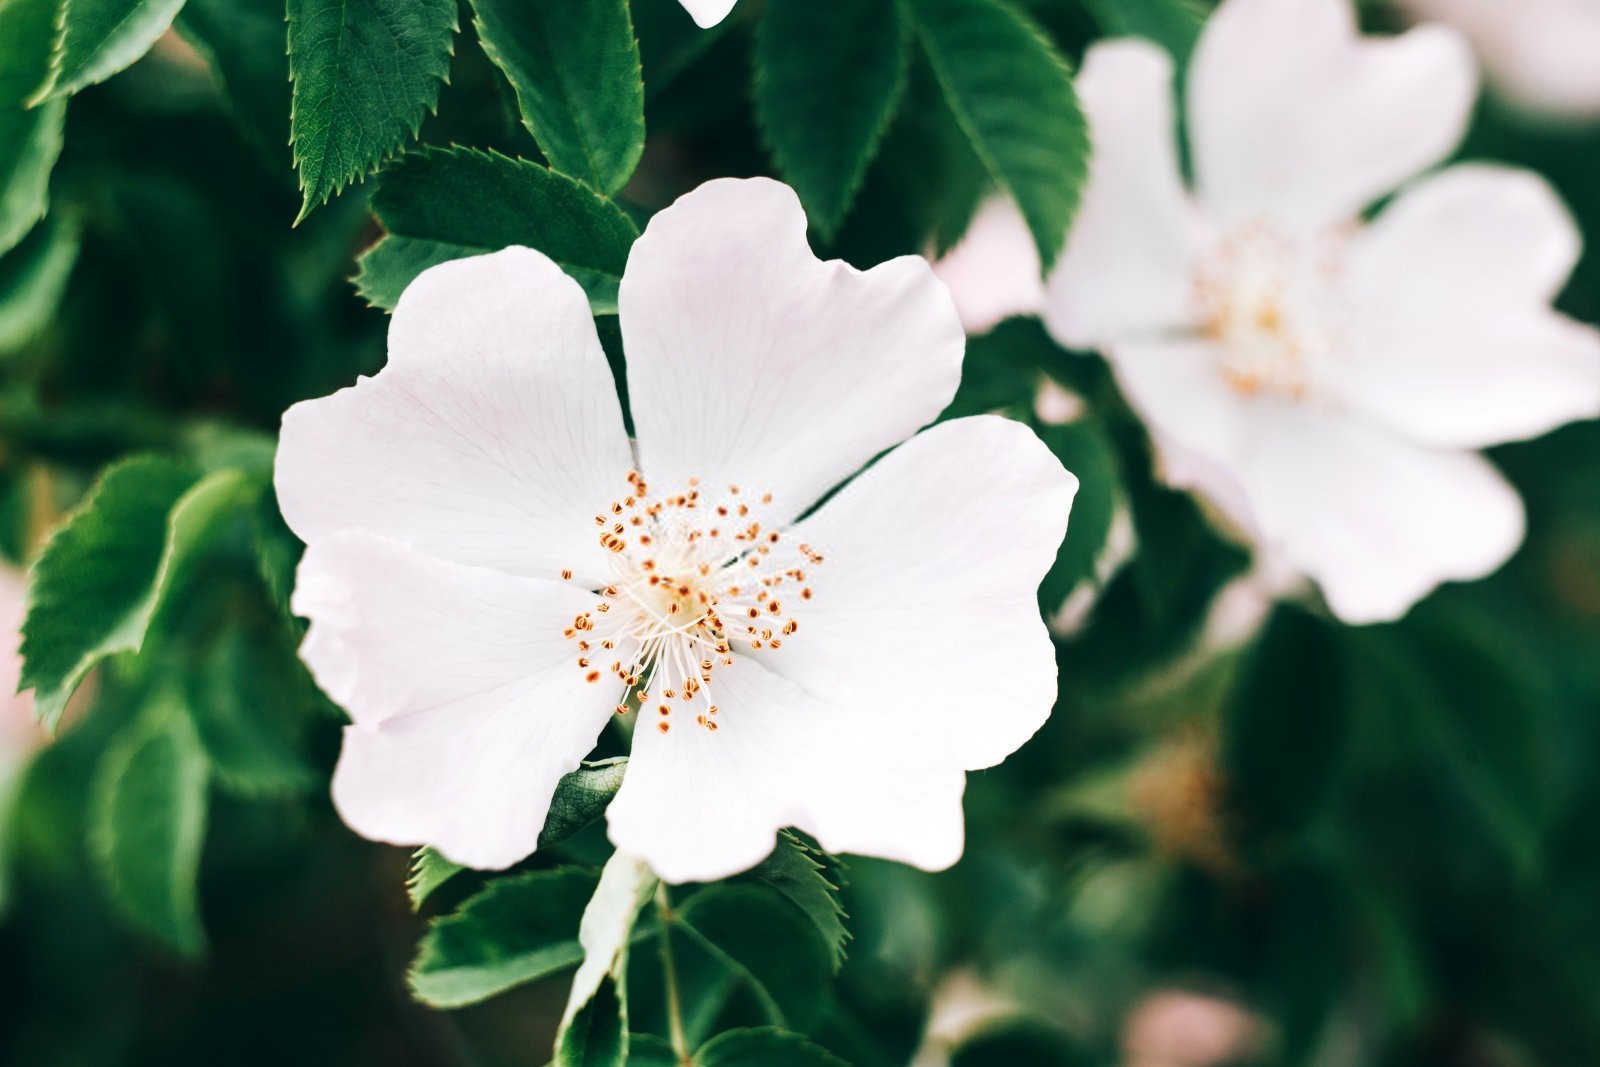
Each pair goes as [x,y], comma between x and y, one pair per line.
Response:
[1012,94]
[1018,1041]
[580,798]
[244,696]
[1090,554]
[30,138]
[648,1050]
[763,1046]
[101,578]
[575,67]
[515,930]
[244,40]
[1286,726]
[800,873]
[597,1033]
[33,275]
[12,771]
[594,1028]
[98,38]
[1457,726]
[1173,24]
[669,41]
[429,871]
[769,942]
[443,204]
[147,823]
[828,80]
[951,181]
[364,72]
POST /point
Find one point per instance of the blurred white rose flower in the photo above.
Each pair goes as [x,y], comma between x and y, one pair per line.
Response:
[489,576]
[1539,53]
[993,273]
[1324,384]
[1177,1028]
[20,732]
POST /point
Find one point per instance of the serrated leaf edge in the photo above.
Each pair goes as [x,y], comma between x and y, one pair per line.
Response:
[1079,169]
[413,127]
[490,50]
[829,227]
[123,746]
[148,604]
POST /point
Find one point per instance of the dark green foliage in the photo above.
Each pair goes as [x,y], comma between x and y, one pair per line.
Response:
[802,874]
[828,80]
[250,701]
[100,580]
[1173,24]
[429,871]
[575,67]
[147,821]
[517,929]
[598,1034]
[648,1050]
[1020,1042]
[763,1047]
[769,944]
[365,72]
[444,204]
[1012,94]
[97,38]
[33,276]
[580,798]
[30,137]
[1286,724]
[245,41]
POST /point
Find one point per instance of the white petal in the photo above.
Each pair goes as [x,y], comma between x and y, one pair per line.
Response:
[1450,290]
[707,13]
[490,438]
[1470,234]
[993,273]
[1295,118]
[1179,392]
[467,703]
[1126,266]
[925,623]
[1195,422]
[1377,521]
[698,805]
[922,654]
[751,362]
[1539,52]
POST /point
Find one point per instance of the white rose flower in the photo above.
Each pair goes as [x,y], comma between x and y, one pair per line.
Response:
[1324,383]
[1540,53]
[492,568]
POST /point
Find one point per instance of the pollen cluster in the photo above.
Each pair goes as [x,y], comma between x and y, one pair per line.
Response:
[1266,301]
[695,576]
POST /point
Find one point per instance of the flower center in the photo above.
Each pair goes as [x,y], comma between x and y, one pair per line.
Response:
[695,576]
[1265,299]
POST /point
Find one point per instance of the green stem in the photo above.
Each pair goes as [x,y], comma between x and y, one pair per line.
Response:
[669,974]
